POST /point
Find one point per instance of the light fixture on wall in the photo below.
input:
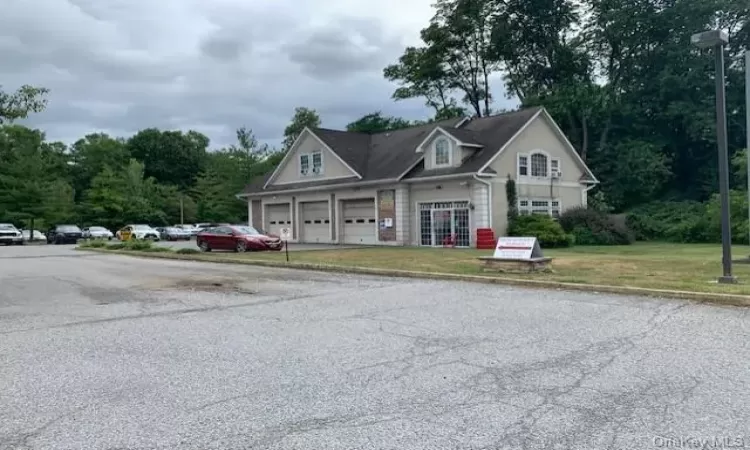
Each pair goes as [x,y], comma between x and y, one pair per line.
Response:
[471,206]
[438,187]
[464,183]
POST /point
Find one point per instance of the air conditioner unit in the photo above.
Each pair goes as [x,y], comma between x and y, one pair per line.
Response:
[556,174]
[303,171]
[316,169]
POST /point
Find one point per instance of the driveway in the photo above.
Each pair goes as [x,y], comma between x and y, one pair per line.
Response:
[114,352]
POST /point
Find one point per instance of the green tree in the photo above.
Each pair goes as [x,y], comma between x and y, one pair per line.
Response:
[377,122]
[91,154]
[32,185]
[303,118]
[170,157]
[19,104]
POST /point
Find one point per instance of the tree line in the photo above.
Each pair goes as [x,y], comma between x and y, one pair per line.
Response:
[619,76]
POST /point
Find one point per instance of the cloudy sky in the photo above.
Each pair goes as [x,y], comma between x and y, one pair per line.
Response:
[211,65]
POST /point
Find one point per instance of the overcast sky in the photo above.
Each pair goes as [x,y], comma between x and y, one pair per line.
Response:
[118,66]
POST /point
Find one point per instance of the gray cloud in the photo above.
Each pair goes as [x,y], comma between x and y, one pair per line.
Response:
[122,65]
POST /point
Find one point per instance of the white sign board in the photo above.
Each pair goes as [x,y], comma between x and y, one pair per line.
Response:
[517,248]
[388,222]
[285,234]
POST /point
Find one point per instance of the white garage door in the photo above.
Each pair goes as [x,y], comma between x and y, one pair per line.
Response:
[358,220]
[277,217]
[315,222]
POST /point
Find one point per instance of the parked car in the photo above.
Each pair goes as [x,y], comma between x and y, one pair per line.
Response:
[64,234]
[37,235]
[9,234]
[174,234]
[192,229]
[97,233]
[237,238]
[129,232]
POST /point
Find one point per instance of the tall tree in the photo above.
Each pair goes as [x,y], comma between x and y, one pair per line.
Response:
[170,157]
[91,154]
[303,118]
[32,184]
[19,104]
[377,122]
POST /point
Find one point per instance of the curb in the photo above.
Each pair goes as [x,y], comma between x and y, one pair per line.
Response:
[702,297]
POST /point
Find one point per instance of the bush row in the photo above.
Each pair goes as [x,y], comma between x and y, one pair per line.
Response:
[135,245]
[690,222]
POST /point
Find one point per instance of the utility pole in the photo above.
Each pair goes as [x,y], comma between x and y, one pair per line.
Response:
[747,130]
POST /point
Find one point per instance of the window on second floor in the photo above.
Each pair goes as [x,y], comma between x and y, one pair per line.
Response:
[442,152]
[311,163]
[538,165]
[317,163]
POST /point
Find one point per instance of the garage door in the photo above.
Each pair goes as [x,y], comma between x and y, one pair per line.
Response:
[277,217]
[315,223]
[358,222]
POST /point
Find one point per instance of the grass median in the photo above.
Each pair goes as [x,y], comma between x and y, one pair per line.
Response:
[680,267]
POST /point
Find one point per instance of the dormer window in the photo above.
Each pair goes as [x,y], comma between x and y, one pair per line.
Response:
[442,152]
[311,163]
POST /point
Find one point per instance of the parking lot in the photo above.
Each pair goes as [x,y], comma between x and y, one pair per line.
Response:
[116,352]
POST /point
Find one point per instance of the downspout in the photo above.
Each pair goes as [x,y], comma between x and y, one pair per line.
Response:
[489,195]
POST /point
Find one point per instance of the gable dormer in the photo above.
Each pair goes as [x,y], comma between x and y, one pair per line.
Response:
[447,147]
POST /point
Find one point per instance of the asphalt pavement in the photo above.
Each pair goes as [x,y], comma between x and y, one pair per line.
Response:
[116,352]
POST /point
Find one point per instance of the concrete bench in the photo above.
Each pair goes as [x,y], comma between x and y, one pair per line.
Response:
[507,265]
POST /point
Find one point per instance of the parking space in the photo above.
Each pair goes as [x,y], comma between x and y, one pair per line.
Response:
[105,351]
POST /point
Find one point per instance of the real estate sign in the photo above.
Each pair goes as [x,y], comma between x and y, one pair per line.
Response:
[517,248]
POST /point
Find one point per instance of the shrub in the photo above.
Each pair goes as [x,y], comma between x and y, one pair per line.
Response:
[93,244]
[116,246]
[187,251]
[592,227]
[548,232]
[675,221]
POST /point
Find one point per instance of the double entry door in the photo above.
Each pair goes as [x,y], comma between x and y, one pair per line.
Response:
[441,222]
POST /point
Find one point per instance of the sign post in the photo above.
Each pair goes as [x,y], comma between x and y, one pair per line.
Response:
[516,254]
[286,234]
[517,248]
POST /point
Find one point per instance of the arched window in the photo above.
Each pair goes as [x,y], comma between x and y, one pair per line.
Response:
[539,165]
[442,152]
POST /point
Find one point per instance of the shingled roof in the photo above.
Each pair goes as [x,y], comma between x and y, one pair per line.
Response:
[388,155]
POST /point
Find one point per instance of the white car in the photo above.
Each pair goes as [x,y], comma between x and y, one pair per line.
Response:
[38,235]
[9,235]
[137,232]
[97,233]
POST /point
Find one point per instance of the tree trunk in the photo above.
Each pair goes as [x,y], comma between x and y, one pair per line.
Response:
[584,138]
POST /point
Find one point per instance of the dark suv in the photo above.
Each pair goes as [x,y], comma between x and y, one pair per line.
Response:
[64,234]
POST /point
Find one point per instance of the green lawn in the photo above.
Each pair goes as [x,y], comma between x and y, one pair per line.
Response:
[687,267]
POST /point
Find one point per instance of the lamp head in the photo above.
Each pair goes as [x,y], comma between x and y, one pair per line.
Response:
[709,39]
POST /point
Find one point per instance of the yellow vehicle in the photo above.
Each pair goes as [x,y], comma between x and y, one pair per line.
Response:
[129,232]
[125,233]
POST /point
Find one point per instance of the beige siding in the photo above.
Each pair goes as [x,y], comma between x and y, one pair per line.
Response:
[428,192]
[429,149]
[290,170]
[538,135]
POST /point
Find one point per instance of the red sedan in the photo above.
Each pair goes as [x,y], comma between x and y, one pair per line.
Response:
[237,238]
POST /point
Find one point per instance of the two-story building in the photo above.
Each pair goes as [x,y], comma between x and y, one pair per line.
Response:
[419,185]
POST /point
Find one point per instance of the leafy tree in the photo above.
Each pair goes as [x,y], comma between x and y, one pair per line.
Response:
[31,185]
[19,104]
[170,157]
[91,154]
[377,122]
[303,118]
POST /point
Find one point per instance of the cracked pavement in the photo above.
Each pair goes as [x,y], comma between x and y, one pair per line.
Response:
[110,352]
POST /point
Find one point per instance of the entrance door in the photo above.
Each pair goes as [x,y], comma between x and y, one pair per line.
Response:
[442,228]
[438,222]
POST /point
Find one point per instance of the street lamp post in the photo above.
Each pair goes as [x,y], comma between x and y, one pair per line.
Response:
[717,39]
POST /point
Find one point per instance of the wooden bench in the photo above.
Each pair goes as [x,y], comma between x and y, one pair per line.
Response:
[507,265]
